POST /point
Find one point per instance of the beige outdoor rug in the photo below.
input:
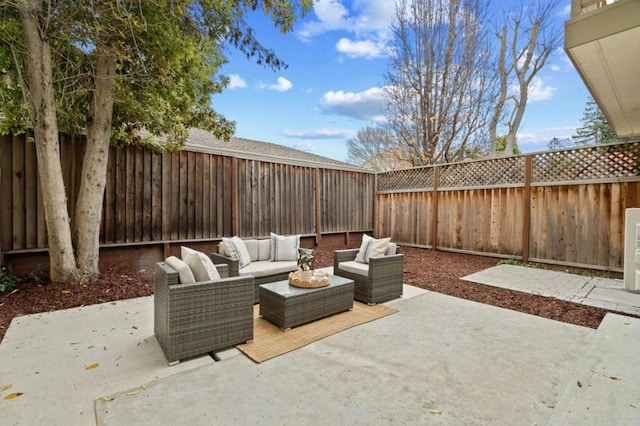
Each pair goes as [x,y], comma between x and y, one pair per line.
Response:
[269,341]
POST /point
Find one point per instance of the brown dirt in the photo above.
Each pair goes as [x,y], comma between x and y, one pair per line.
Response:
[432,270]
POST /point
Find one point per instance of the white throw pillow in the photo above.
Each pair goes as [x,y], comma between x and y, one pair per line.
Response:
[284,248]
[184,272]
[252,249]
[202,267]
[392,249]
[238,250]
[372,247]
[264,249]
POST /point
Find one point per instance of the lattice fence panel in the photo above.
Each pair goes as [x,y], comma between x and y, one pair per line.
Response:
[499,171]
[398,180]
[591,163]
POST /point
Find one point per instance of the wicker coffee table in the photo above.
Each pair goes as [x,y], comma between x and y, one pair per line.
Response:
[287,306]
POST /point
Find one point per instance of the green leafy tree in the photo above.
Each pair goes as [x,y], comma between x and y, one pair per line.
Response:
[501,146]
[595,127]
[111,69]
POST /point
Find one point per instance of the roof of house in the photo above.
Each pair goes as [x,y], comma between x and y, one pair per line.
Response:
[201,140]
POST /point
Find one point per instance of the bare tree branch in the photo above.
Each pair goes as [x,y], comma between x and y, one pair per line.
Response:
[436,84]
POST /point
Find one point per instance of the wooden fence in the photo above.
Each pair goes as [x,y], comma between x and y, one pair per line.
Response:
[560,207]
[164,200]
[565,207]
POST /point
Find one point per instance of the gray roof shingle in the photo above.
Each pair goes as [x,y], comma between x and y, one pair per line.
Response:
[202,140]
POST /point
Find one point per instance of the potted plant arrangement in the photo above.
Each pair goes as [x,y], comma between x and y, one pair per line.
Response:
[306,264]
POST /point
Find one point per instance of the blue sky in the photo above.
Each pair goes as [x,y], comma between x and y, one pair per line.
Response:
[333,85]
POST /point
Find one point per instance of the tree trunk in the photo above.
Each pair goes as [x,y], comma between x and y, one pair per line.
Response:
[42,112]
[514,125]
[94,169]
[503,72]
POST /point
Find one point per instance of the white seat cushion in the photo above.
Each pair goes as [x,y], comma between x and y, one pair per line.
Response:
[355,267]
[266,268]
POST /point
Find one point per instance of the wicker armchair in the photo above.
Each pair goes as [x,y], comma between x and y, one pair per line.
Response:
[194,319]
[379,281]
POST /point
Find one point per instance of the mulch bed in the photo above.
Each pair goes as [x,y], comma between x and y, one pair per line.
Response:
[432,270]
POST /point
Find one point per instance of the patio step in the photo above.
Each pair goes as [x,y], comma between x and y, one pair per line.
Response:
[600,389]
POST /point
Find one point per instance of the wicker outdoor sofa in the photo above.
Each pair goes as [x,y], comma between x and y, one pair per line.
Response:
[378,281]
[261,267]
[194,319]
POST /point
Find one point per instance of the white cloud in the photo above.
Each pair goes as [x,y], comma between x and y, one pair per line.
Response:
[331,14]
[236,82]
[359,49]
[282,85]
[561,61]
[566,10]
[375,14]
[366,105]
[539,91]
[305,146]
[319,133]
[369,21]
[538,140]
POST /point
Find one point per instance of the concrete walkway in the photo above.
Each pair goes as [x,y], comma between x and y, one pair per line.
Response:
[439,360]
[593,291]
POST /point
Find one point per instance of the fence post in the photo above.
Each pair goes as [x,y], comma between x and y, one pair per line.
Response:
[234,196]
[526,198]
[374,215]
[318,207]
[434,216]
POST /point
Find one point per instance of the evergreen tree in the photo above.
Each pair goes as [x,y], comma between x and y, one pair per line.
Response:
[595,127]
[557,143]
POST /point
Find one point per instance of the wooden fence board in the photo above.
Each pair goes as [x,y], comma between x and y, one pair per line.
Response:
[616,227]
[138,203]
[484,216]
[121,196]
[19,225]
[174,184]
[157,209]
[130,169]
[6,189]
[572,212]
[41,220]
[604,215]
[592,236]
[190,189]
[31,195]
[167,201]
[199,232]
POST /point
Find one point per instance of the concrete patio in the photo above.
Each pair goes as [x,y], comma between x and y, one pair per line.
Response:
[600,292]
[439,360]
